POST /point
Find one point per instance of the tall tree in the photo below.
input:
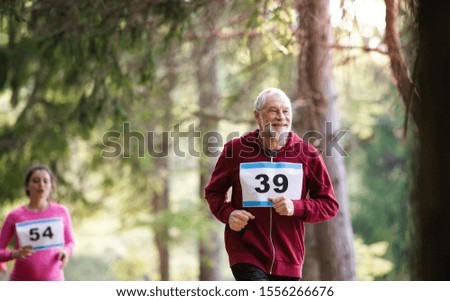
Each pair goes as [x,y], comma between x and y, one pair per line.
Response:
[206,58]
[430,109]
[427,101]
[160,195]
[329,245]
[398,64]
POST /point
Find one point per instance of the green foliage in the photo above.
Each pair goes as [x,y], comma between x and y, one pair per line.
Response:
[377,166]
[88,268]
[370,263]
[379,193]
[130,268]
[71,65]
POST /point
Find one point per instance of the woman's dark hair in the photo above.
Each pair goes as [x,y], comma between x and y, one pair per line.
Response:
[30,172]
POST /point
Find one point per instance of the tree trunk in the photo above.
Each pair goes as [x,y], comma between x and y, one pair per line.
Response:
[209,243]
[431,111]
[398,65]
[160,203]
[161,195]
[316,109]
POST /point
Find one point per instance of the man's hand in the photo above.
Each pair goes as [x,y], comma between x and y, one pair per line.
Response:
[283,205]
[239,219]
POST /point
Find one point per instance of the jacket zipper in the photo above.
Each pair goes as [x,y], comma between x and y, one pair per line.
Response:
[270,235]
[270,231]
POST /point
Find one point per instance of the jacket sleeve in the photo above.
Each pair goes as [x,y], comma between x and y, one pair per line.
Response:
[6,235]
[216,192]
[320,203]
[68,232]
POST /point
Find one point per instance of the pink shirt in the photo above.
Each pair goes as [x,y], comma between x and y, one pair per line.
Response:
[42,264]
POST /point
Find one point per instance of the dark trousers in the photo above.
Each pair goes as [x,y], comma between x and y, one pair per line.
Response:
[249,272]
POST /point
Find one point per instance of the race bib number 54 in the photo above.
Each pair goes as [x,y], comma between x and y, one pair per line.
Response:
[263,180]
[41,234]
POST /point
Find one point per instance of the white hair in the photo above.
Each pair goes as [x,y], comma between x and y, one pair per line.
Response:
[262,97]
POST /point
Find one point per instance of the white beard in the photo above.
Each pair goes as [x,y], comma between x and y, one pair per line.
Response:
[281,136]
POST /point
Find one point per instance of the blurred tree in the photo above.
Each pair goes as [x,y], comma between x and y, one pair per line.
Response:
[379,199]
[160,195]
[430,109]
[206,53]
[398,64]
[329,246]
[378,165]
[68,65]
[427,102]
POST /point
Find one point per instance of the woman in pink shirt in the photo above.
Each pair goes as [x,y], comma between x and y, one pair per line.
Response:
[42,232]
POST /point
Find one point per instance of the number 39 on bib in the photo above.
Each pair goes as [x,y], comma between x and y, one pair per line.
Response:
[263,180]
[41,234]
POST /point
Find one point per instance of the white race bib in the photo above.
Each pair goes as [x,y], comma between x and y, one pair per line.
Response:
[42,233]
[263,180]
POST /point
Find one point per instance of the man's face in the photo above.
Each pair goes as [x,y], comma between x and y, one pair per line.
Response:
[275,117]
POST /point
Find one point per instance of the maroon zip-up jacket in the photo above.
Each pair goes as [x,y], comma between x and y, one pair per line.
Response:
[272,242]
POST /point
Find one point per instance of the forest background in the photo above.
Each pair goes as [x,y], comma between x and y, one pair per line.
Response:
[129,102]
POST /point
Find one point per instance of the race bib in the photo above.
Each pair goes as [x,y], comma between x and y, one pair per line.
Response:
[263,180]
[41,233]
